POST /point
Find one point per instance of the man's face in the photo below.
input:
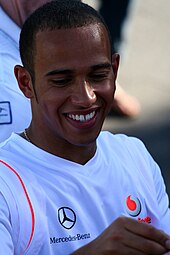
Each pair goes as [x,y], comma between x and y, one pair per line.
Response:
[74,83]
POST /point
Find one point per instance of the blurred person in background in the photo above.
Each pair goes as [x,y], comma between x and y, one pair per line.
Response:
[115,14]
[15,110]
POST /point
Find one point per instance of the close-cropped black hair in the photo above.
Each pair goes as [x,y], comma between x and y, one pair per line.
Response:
[57,14]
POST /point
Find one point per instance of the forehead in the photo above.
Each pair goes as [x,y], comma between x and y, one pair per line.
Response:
[75,44]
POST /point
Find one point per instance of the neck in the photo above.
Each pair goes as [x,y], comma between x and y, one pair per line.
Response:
[61,148]
[26,136]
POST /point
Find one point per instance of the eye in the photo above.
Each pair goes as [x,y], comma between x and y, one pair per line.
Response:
[61,82]
[99,76]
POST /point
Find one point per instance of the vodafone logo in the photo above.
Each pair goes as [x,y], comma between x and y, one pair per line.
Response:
[133,206]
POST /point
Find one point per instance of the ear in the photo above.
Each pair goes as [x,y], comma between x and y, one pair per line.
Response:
[115,63]
[24,81]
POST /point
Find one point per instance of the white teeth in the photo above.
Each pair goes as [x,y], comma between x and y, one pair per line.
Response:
[82,118]
[77,117]
[88,117]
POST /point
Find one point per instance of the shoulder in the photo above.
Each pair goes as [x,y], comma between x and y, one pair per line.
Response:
[12,150]
[119,140]
[130,151]
[124,148]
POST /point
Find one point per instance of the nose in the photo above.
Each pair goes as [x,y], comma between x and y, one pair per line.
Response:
[83,94]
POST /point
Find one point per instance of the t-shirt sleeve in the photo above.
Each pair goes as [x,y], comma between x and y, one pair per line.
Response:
[162,198]
[158,184]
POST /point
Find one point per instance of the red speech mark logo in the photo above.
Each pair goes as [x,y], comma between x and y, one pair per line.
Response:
[133,206]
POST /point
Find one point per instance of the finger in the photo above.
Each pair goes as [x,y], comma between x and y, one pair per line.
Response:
[147,231]
[130,251]
[142,244]
[167,243]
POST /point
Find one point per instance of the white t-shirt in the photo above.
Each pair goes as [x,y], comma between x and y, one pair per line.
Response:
[15,110]
[49,205]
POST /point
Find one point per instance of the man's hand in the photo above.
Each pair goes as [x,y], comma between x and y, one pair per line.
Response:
[126,236]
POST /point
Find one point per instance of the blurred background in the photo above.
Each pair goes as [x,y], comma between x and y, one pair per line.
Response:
[145,73]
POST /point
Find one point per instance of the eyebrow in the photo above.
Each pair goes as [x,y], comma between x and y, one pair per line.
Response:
[69,72]
[101,66]
[60,71]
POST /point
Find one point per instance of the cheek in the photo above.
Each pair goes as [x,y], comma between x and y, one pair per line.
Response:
[107,91]
[49,102]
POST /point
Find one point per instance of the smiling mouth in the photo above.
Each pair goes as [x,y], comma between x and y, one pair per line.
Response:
[82,117]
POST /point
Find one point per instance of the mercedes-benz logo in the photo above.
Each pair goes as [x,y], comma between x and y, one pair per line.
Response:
[66,217]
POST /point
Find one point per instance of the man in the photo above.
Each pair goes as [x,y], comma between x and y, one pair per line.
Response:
[15,110]
[65,186]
